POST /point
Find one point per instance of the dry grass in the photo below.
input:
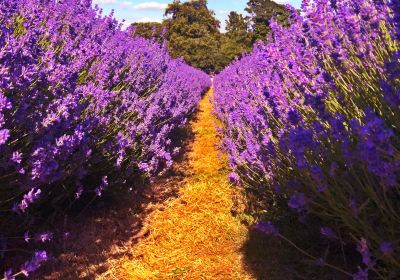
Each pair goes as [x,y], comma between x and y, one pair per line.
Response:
[195,235]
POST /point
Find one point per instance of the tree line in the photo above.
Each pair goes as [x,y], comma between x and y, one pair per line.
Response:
[192,31]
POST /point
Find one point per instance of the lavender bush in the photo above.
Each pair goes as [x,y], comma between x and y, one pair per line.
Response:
[312,115]
[83,105]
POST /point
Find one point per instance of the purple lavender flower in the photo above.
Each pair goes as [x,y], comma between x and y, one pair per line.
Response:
[45,236]
[362,274]
[8,275]
[355,210]
[27,238]
[33,264]
[267,228]
[234,178]
[104,183]
[386,248]
[4,135]
[16,157]
[391,95]
[29,198]
[322,187]
[316,173]
[308,106]
[79,192]
[333,168]
[294,117]
[297,201]
[395,6]
[363,249]
[329,233]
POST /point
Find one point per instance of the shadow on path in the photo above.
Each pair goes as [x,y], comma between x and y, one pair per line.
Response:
[109,227]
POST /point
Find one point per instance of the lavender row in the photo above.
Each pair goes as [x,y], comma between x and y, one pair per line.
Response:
[83,105]
[312,115]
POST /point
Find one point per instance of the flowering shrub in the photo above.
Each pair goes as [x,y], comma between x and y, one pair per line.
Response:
[313,116]
[83,105]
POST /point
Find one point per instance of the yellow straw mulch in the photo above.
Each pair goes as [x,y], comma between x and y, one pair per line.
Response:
[195,235]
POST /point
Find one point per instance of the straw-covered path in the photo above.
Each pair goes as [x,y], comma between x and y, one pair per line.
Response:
[195,235]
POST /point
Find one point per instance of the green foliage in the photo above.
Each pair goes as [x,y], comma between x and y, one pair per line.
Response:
[261,12]
[238,39]
[236,24]
[192,32]
[149,30]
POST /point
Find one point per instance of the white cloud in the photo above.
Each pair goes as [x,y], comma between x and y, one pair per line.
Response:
[150,6]
[104,1]
[126,23]
[148,19]
[126,4]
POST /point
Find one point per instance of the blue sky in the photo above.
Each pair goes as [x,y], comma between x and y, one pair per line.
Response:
[153,10]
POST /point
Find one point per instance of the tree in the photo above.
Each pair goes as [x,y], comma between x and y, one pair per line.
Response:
[149,30]
[261,12]
[193,33]
[236,23]
[237,39]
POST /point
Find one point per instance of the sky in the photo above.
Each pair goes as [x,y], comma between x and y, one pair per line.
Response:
[145,11]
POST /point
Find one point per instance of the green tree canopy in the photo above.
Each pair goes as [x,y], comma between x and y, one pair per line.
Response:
[192,31]
[261,12]
[237,38]
[149,30]
[236,23]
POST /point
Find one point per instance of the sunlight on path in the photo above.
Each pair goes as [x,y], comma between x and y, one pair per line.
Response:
[195,236]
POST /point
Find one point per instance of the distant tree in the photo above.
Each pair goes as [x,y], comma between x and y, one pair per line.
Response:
[261,12]
[149,30]
[237,39]
[193,33]
[236,23]
[194,11]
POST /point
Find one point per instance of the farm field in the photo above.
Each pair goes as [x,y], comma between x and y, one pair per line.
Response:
[206,144]
[193,236]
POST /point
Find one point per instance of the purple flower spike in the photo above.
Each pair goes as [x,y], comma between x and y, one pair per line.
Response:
[297,201]
[45,236]
[16,157]
[102,187]
[234,178]
[267,228]
[32,265]
[29,198]
[322,187]
[386,248]
[316,173]
[362,274]
[363,249]
[4,135]
[27,238]
[78,192]
[8,275]
[294,117]
[329,233]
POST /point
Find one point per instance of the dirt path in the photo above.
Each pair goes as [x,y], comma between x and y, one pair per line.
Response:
[195,235]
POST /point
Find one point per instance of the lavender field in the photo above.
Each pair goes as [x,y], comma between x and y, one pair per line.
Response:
[308,121]
[83,107]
